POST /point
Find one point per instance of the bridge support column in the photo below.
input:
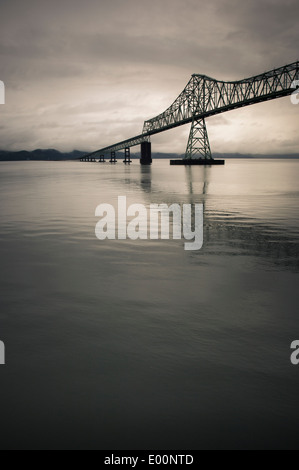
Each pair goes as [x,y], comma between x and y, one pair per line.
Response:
[102,159]
[146,153]
[198,144]
[113,158]
[127,156]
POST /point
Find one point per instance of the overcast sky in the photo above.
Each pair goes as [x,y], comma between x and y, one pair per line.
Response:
[86,74]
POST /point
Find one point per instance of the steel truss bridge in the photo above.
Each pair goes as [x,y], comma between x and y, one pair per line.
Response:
[204,97]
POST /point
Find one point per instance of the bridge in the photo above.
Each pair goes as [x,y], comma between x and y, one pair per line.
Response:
[204,97]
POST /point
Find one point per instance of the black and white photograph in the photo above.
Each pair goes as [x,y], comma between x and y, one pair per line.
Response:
[149,227]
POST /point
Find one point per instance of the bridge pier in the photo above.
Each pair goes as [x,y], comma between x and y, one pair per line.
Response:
[102,159]
[113,158]
[197,161]
[146,153]
[127,156]
[198,150]
[198,146]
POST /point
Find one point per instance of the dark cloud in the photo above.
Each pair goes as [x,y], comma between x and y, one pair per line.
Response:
[82,74]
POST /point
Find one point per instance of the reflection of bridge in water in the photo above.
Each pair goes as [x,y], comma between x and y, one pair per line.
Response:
[228,229]
[204,97]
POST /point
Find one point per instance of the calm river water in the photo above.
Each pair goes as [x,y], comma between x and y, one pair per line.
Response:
[140,344]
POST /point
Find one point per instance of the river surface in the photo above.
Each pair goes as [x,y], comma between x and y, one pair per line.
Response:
[122,344]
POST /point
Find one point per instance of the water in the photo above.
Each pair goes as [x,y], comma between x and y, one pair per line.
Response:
[122,344]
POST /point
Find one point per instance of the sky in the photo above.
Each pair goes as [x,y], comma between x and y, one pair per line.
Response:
[87,74]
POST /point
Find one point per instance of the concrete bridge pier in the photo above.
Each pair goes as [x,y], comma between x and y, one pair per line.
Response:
[113,158]
[146,153]
[127,159]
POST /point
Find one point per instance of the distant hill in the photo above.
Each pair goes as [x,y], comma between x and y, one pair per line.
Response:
[249,155]
[40,155]
[55,155]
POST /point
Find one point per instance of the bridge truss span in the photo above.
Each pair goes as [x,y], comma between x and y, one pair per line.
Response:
[203,97]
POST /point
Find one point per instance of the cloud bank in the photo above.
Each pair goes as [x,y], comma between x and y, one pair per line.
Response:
[87,74]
